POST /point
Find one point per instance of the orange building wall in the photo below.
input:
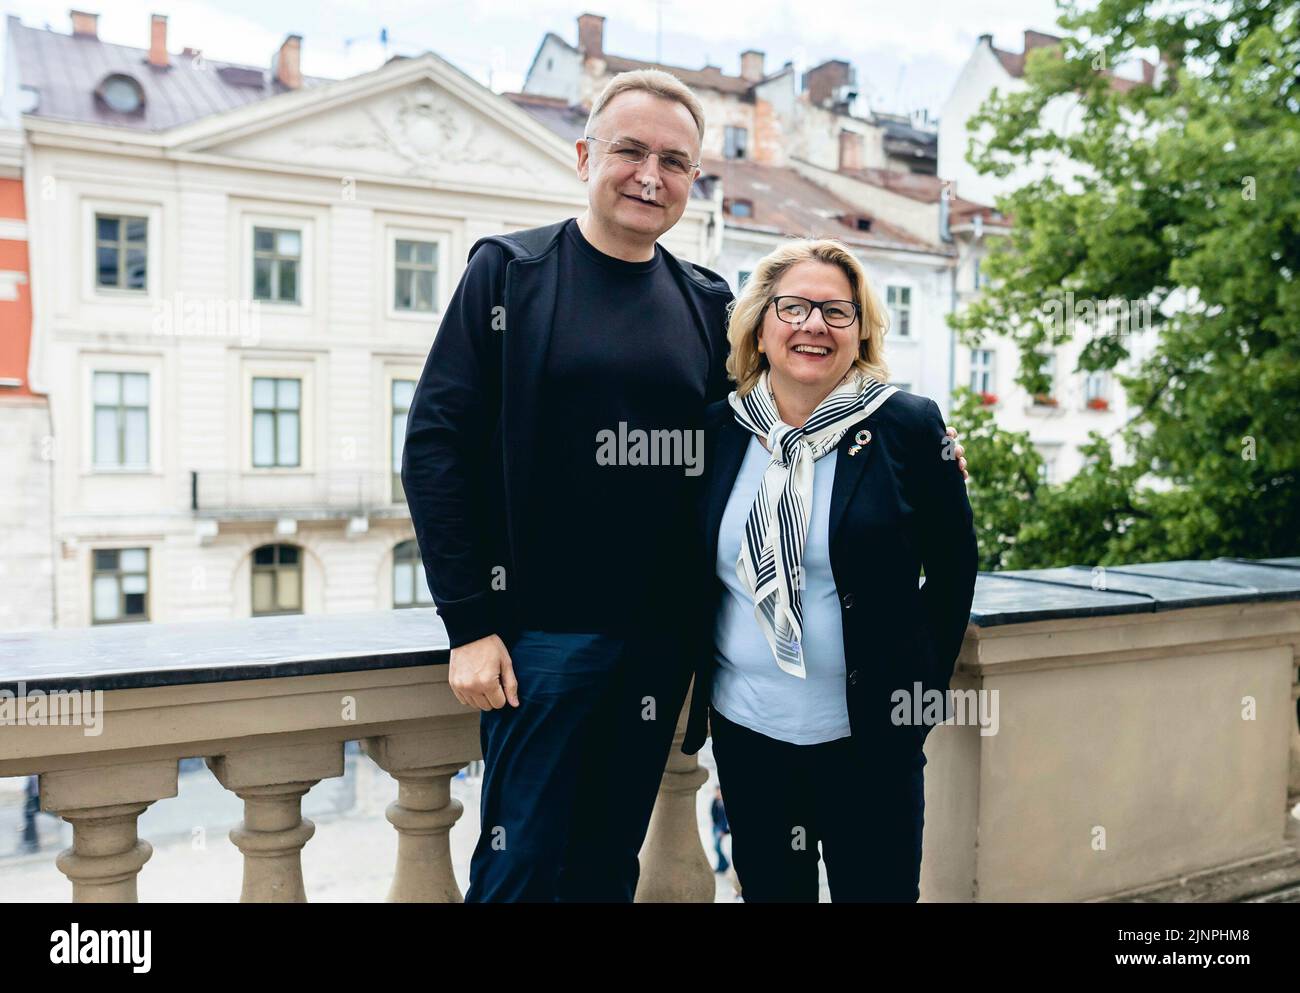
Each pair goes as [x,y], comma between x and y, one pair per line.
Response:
[15,315]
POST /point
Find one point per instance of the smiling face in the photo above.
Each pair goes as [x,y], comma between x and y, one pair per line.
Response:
[616,190]
[812,356]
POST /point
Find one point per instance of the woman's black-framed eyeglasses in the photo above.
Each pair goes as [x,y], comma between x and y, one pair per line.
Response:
[796,310]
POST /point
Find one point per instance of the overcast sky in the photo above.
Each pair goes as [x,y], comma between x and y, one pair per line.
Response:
[907,52]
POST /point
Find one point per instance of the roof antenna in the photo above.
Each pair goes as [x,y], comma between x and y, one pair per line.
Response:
[898,88]
[659,31]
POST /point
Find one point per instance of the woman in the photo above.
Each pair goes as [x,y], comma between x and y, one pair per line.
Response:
[826,492]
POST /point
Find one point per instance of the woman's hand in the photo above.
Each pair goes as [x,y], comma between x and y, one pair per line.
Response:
[959,451]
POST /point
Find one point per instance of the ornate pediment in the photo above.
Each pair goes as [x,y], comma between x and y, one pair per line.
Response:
[417,130]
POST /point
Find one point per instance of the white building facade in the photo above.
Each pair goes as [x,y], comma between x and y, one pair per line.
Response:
[230,315]
[1078,402]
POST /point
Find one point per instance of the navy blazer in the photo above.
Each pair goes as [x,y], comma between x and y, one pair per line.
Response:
[896,505]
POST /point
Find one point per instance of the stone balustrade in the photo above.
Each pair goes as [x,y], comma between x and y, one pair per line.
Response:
[1145,730]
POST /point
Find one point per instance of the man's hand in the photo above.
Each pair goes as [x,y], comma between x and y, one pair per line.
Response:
[958,451]
[481,675]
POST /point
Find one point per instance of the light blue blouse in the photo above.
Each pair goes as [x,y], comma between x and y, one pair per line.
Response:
[748,687]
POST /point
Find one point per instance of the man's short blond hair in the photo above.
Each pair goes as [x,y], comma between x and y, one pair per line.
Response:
[656,81]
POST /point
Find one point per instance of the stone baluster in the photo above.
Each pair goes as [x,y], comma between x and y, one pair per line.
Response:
[102,805]
[1294,783]
[272,782]
[424,810]
[674,868]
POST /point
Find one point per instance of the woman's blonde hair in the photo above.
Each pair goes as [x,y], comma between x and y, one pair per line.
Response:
[746,363]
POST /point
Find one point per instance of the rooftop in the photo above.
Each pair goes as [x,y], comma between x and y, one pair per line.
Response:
[567,120]
[66,70]
[1014,62]
[787,203]
[926,189]
[710,77]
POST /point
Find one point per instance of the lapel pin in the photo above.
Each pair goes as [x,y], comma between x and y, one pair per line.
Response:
[861,438]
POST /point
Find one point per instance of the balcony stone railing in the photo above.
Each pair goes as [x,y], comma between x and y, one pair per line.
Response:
[270,494]
[1145,732]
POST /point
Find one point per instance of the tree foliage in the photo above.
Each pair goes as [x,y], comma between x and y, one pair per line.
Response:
[1183,195]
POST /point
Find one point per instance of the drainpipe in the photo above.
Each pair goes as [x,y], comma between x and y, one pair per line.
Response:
[945,235]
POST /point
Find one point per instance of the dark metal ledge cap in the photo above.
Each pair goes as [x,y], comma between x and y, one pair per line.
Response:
[131,656]
[1021,596]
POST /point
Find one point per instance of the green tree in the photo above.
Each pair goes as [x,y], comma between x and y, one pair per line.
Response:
[1185,198]
[1004,478]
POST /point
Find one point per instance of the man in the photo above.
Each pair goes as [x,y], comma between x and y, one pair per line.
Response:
[563,565]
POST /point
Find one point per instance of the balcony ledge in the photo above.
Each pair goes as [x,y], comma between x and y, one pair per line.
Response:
[1140,682]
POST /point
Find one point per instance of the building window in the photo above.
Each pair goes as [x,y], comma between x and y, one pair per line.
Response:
[981,370]
[120,585]
[277,407]
[977,272]
[403,391]
[742,277]
[738,207]
[121,415]
[1049,370]
[121,250]
[1096,390]
[410,586]
[415,276]
[736,141]
[899,301]
[1047,468]
[121,93]
[277,256]
[277,580]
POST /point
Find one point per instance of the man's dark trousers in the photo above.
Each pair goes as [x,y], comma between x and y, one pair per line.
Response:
[572,773]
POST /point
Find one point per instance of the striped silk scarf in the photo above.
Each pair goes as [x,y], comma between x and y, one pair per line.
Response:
[770,566]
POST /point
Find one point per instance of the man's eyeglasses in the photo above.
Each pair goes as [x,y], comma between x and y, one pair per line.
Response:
[634,153]
[796,310]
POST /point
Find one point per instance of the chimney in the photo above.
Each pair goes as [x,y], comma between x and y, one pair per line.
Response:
[986,39]
[1037,39]
[851,150]
[751,65]
[84,25]
[591,35]
[284,66]
[824,83]
[158,41]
